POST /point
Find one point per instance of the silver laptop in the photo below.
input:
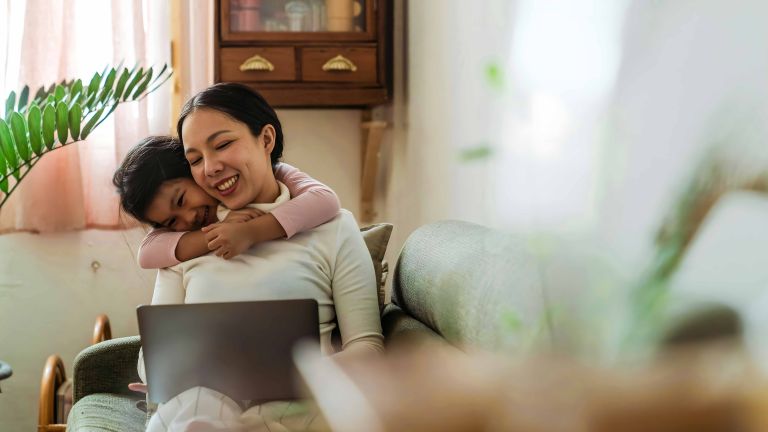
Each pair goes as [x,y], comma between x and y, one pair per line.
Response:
[243,349]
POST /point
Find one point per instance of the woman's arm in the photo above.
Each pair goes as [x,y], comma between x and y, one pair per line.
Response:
[312,203]
[354,291]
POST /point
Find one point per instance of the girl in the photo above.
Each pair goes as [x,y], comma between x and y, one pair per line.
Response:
[184,216]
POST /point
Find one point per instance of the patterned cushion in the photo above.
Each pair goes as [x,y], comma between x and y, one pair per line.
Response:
[376,239]
[106,412]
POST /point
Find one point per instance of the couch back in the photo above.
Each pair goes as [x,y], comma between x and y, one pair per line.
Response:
[473,286]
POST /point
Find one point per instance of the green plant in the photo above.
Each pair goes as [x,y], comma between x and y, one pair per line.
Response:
[69,110]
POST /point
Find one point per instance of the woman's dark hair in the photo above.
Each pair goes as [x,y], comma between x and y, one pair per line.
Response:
[243,104]
[151,162]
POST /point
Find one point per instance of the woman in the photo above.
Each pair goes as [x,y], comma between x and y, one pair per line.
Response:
[232,138]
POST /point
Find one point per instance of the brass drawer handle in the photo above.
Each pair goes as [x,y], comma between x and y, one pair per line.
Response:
[339,64]
[257,63]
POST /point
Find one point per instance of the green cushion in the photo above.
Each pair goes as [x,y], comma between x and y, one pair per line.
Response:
[106,412]
[473,285]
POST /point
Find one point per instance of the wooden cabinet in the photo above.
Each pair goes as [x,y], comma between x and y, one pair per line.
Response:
[307,53]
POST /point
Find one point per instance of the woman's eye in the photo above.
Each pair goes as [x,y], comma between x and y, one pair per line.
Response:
[194,161]
[180,202]
[224,145]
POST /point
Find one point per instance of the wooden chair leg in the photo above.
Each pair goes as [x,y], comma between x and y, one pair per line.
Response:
[53,376]
[102,331]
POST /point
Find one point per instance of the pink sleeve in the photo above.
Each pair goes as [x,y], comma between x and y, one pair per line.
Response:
[312,203]
[158,249]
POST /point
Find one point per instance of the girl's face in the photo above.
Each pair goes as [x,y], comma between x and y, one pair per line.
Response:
[227,161]
[181,205]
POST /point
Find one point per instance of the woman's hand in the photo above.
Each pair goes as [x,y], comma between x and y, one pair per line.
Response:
[138,387]
[227,240]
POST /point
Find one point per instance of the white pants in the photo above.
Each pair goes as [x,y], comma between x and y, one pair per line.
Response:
[201,409]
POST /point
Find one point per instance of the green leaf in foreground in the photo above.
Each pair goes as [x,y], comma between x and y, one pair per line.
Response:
[62,117]
[49,126]
[19,130]
[9,150]
[91,123]
[24,98]
[10,103]
[35,120]
[3,172]
[75,115]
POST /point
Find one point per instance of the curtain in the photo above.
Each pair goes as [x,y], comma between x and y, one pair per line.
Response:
[48,41]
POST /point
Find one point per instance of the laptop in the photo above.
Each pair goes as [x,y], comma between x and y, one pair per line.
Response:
[243,350]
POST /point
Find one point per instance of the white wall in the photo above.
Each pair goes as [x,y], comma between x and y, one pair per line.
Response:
[49,297]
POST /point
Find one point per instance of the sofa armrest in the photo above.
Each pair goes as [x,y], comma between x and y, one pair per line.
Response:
[400,327]
[107,367]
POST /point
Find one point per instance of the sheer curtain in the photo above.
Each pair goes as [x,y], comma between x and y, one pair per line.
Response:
[47,41]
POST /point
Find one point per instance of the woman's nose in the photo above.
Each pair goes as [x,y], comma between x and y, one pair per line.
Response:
[212,166]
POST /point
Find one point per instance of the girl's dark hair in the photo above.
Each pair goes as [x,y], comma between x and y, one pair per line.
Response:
[243,104]
[151,162]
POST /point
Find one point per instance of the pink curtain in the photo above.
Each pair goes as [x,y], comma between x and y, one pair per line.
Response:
[71,188]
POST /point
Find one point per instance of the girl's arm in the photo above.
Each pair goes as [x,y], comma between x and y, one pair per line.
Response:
[312,203]
[165,248]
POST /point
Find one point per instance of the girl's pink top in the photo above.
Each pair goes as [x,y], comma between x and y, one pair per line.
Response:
[312,203]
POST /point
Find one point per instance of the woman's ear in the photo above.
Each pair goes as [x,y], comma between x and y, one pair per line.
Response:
[268,134]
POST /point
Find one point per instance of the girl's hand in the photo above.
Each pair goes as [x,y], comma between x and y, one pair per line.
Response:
[228,240]
[138,387]
[243,215]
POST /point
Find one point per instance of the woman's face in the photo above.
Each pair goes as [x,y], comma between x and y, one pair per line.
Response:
[227,161]
[181,205]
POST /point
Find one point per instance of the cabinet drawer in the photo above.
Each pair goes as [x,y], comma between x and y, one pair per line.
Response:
[339,65]
[258,64]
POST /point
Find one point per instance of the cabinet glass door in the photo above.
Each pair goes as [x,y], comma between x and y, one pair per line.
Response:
[296,16]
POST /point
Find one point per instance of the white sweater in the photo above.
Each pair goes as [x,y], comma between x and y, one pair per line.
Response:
[330,264]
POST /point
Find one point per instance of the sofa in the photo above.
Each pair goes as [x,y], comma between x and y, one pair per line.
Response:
[455,283]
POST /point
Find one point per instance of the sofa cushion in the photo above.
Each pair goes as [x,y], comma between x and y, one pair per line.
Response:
[472,285]
[376,239]
[106,412]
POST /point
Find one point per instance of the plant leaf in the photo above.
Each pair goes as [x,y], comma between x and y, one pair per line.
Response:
[74,93]
[94,84]
[143,86]
[106,88]
[62,115]
[49,125]
[23,98]
[9,104]
[106,95]
[121,83]
[19,129]
[110,79]
[132,84]
[6,142]
[91,123]
[160,74]
[75,115]
[3,173]
[34,120]
[59,93]
[40,94]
